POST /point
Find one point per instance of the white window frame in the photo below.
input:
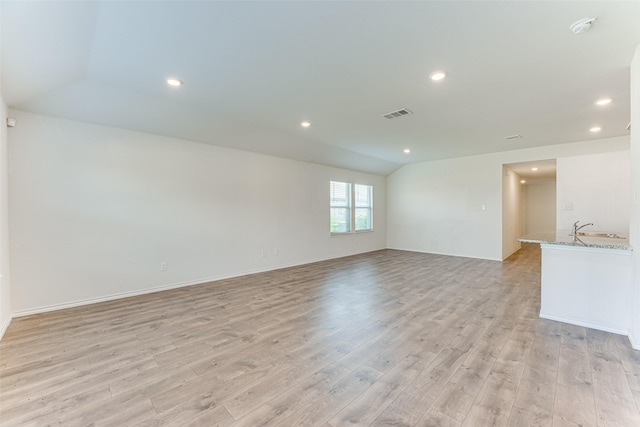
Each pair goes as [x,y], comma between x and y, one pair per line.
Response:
[369,207]
[352,207]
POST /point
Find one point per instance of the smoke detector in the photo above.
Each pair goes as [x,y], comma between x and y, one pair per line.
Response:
[581,25]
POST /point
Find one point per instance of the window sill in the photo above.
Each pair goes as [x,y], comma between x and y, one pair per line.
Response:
[351,233]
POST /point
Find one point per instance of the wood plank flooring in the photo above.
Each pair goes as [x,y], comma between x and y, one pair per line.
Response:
[389,338]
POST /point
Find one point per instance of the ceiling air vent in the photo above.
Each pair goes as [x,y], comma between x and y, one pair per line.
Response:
[397,113]
[513,137]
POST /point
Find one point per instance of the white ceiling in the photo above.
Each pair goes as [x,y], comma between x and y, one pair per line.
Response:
[545,170]
[253,71]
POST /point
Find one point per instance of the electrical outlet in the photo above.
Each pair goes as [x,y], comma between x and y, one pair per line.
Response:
[264,253]
[276,251]
[163,266]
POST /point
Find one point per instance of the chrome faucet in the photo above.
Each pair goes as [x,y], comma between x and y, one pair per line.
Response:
[576,228]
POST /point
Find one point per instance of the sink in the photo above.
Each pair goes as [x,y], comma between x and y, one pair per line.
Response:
[597,234]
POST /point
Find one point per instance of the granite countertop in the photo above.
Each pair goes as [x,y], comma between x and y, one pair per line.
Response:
[564,237]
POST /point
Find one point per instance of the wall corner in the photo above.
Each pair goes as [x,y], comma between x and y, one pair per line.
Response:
[634,212]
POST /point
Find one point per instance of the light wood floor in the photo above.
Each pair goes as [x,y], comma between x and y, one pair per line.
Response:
[387,338]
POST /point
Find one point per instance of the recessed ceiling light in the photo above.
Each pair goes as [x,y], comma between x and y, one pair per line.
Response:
[604,101]
[522,181]
[174,82]
[595,129]
[406,151]
[305,124]
[437,75]
[534,169]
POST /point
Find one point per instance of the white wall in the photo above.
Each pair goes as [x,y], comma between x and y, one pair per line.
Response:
[523,208]
[511,214]
[5,287]
[437,206]
[540,207]
[594,188]
[634,224]
[95,210]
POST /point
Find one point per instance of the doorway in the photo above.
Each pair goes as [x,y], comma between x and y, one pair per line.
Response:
[528,201]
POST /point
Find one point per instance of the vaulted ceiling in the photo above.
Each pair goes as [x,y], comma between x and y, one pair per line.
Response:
[253,71]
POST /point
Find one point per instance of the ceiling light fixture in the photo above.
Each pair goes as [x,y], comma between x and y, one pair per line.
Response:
[604,101]
[174,82]
[595,129]
[406,151]
[522,181]
[534,169]
[305,124]
[581,25]
[437,75]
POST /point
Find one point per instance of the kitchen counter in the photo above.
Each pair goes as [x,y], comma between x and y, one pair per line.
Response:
[585,280]
[564,237]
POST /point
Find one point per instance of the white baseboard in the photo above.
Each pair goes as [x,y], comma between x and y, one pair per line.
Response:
[511,253]
[88,301]
[443,253]
[4,326]
[634,345]
[586,324]
[78,303]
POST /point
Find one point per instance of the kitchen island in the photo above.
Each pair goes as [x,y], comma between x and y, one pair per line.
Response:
[586,280]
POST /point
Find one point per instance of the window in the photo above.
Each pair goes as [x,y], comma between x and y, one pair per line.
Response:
[364,207]
[351,207]
[340,207]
